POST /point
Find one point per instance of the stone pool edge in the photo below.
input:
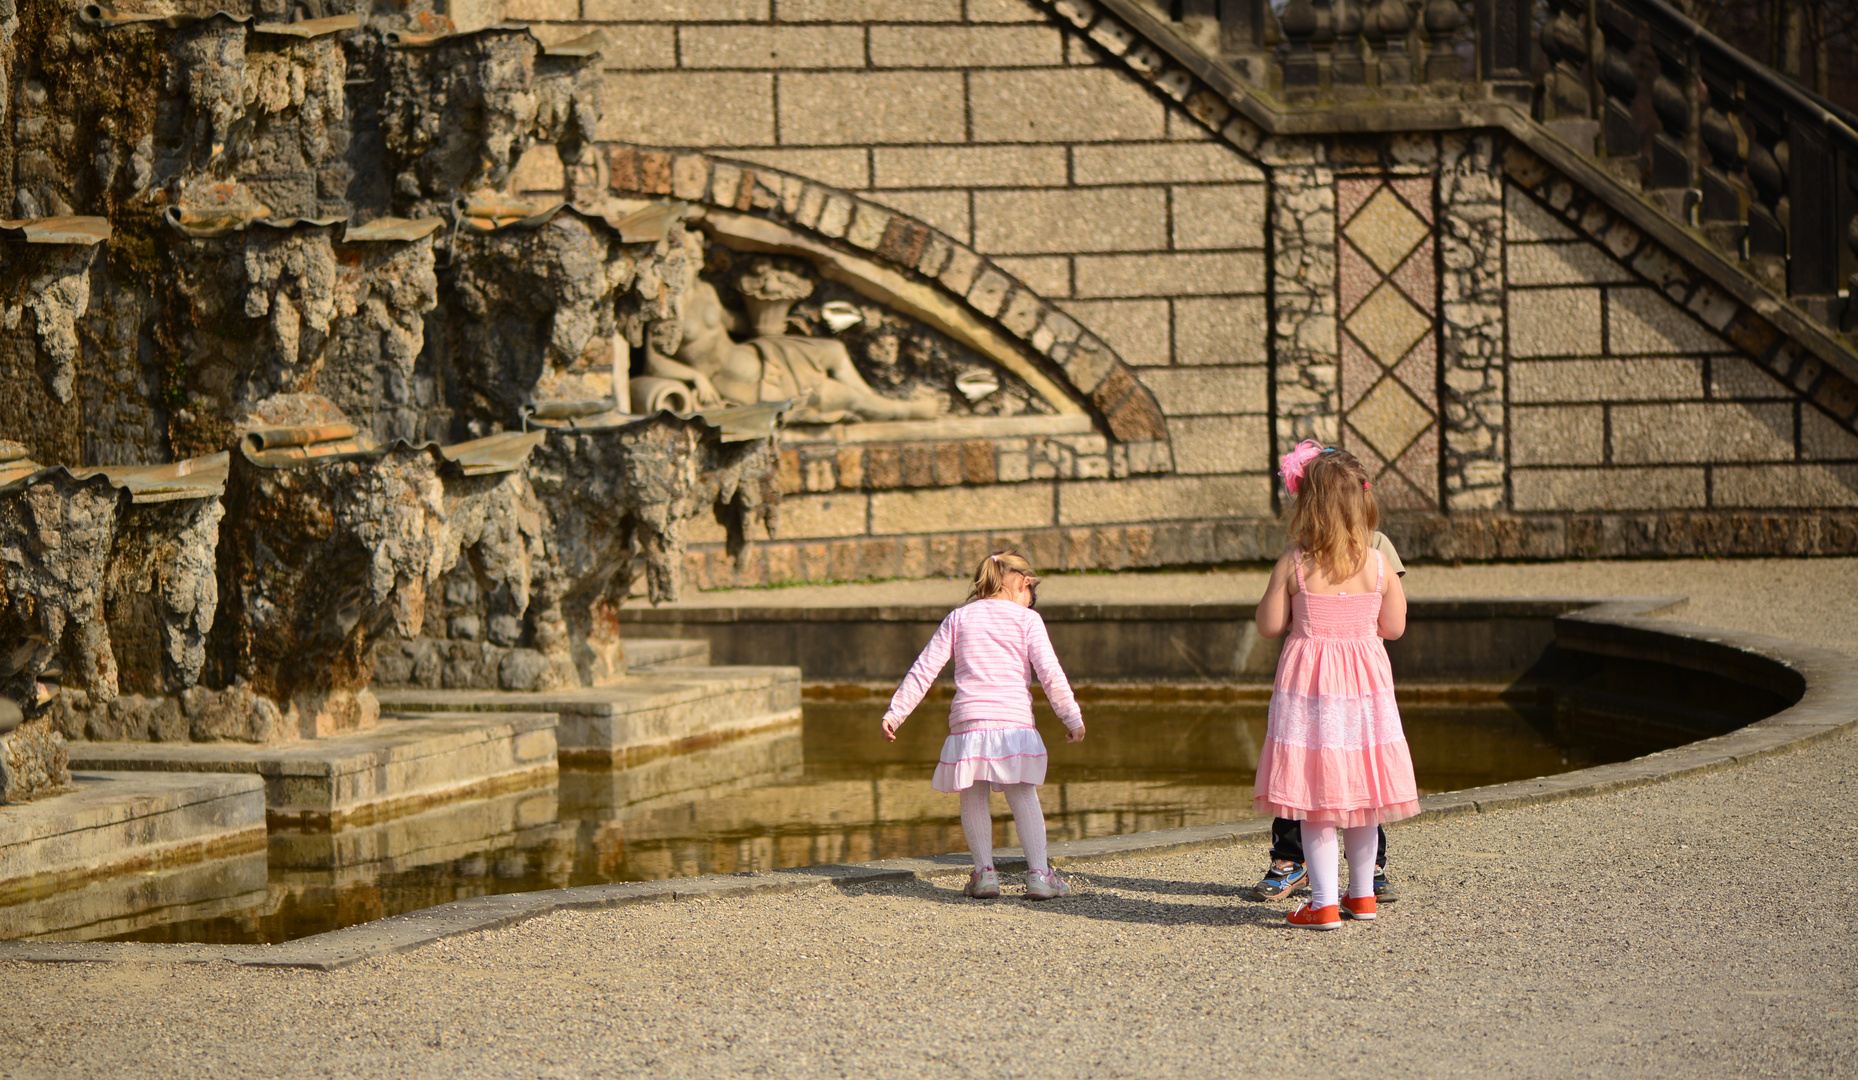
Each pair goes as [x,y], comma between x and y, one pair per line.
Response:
[1828,705]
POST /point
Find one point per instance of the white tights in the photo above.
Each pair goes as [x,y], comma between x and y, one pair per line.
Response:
[977,823]
[1320,856]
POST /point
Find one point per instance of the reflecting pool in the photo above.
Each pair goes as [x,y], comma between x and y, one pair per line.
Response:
[827,790]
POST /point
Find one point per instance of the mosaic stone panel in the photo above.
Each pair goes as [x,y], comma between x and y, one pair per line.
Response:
[1387,286]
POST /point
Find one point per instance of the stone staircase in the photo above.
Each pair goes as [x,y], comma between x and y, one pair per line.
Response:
[1646,131]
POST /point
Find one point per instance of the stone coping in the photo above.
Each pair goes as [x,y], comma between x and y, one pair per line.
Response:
[697,611]
[943,430]
[1828,705]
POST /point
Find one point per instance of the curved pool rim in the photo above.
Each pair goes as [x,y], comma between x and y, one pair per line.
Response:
[1823,685]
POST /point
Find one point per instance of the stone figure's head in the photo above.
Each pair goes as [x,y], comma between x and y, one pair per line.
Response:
[770,291]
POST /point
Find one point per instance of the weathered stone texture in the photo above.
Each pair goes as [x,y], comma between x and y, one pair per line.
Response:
[1657,434]
[1555,322]
[1138,330]
[1608,489]
[1218,216]
[1133,163]
[963,166]
[1163,499]
[1061,105]
[635,108]
[871,107]
[1070,220]
[1641,321]
[965,46]
[1221,444]
[1807,487]
[1184,274]
[1568,435]
[1605,380]
[1007,506]
[739,46]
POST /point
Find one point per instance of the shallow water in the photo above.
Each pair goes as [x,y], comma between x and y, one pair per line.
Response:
[825,791]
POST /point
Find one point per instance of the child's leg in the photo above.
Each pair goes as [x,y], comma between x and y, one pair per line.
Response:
[1286,840]
[1029,817]
[1360,846]
[1319,855]
[977,824]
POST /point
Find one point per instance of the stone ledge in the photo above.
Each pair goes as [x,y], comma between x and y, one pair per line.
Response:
[404,763]
[113,821]
[649,715]
[1223,541]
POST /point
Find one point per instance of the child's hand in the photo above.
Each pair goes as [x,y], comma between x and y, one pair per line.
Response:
[889,729]
[1074,736]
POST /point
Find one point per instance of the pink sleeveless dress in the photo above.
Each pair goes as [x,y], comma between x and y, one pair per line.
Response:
[1334,752]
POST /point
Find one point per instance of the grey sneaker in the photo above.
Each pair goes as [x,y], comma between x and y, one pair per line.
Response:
[983,884]
[1045,885]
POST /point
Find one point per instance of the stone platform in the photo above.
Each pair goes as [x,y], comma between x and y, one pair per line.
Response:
[116,821]
[409,760]
[665,710]
[644,654]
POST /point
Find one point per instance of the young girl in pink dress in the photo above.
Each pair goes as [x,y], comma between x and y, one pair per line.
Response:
[992,745]
[1334,754]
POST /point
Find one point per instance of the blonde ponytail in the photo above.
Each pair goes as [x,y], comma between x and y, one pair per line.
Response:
[990,575]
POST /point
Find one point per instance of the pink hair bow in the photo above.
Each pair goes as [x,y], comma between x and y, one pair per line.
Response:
[1291,465]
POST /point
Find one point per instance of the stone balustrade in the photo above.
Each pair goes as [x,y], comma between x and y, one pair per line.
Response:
[1765,169]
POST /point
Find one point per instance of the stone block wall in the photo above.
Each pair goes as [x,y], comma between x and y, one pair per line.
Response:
[1621,400]
[1564,392]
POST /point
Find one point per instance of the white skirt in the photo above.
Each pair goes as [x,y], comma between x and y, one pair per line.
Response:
[998,756]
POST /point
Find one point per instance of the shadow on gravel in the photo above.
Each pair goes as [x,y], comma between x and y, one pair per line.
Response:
[1166,888]
[1093,901]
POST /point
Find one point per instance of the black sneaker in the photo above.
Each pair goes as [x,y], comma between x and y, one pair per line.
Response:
[1383,889]
[1279,881]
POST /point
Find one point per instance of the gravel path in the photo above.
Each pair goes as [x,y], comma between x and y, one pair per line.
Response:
[1672,929]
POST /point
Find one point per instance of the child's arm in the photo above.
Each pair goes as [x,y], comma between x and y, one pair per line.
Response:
[1273,612]
[928,665]
[1051,676]
[1393,609]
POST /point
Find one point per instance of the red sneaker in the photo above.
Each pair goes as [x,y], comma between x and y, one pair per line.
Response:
[1322,918]
[1358,907]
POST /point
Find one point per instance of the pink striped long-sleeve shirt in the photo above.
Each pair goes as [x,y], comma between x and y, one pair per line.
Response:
[993,642]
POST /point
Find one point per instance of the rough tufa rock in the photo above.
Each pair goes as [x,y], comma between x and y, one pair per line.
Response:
[33,762]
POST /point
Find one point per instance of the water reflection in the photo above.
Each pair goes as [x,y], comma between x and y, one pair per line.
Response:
[828,790]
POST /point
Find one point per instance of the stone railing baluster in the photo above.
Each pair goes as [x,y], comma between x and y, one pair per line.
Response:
[1302,72]
[1347,68]
[1505,40]
[1442,20]
[1564,44]
[1767,173]
[1619,130]
[1813,240]
[1395,22]
[1247,34]
[1725,193]
[1323,41]
[1849,321]
[1671,170]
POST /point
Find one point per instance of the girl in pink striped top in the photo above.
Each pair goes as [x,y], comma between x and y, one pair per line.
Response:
[995,637]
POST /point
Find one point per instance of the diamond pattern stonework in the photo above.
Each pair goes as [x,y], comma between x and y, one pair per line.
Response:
[1387,324]
[1386,230]
[1389,418]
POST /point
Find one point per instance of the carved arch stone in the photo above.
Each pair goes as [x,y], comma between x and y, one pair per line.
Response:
[903,263]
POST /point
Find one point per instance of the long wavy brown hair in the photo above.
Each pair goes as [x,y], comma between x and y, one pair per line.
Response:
[1334,514]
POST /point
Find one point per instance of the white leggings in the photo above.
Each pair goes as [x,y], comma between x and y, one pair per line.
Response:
[1320,856]
[977,823]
